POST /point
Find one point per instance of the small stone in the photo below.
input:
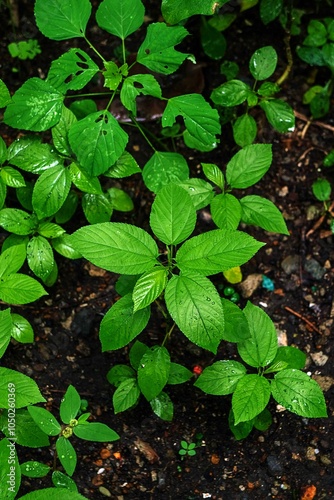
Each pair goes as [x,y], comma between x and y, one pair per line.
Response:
[312,212]
[319,358]
[274,466]
[313,267]
[325,382]
[250,284]
[104,491]
[310,453]
[325,460]
[291,264]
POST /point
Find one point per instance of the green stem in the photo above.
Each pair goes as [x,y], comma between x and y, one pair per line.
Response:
[123,51]
[95,50]
[140,128]
[92,94]
[161,309]
[168,334]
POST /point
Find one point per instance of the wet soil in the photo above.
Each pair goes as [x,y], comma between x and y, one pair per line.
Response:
[294,458]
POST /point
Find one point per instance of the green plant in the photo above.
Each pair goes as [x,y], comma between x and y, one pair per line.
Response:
[25,49]
[32,426]
[251,392]
[318,50]
[187,449]
[322,190]
[236,92]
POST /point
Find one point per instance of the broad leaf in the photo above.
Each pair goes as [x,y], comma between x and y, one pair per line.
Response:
[248,165]
[125,166]
[200,119]
[64,247]
[119,373]
[35,106]
[120,200]
[236,324]
[226,211]
[258,211]
[26,390]
[17,221]
[6,325]
[71,71]
[50,230]
[137,351]
[126,395]
[298,393]
[195,306]
[70,405]
[178,374]
[116,247]
[121,324]
[34,469]
[95,431]
[214,174]
[291,356]
[12,257]
[270,9]
[4,95]
[30,155]
[53,494]
[66,454]
[250,397]
[97,208]
[261,348]
[200,191]
[21,329]
[61,480]
[84,182]
[135,85]
[174,11]
[157,51]
[279,114]
[263,63]
[153,372]
[12,177]
[149,287]
[164,168]
[231,93]
[45,420]
[163,407]
[10,471]
[120,18]
[244,130]
[321,189]
[98,141]
[50,191]
[40,257]
[61,20]
[216,251]
[60,131]
[27,433]
[20,289]
[173,216]
[220,378]
[3,193]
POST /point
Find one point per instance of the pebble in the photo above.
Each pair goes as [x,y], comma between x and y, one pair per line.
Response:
[274,466]
[315,269]
[290,264]
[319,358]
[250,284]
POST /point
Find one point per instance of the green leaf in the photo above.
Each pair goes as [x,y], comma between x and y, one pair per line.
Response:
[21,329]
[117,247]
[30,155]
[248,165]
[213,41]
[321,189]
[98,141]
[61,20]
[120,200]
[67,210]
[173,216]
[4,95]
[263,63]
[126,395]
[12,257]
[95,431]
[317,33]
[121,324]
[291,356]
[120,18]
[279,114]
[214,174]
[3,193]
[242,430]
[200,191]
[231,93]
[71,71]
[125,166]
[195,306]
[64,247]
[226,211]
[50,191]
[12,177]
[164,168]
[112,75]
[125,284]
[27,433]
[3,151]
[258,211]
[261,348]
[137,351]
[50,230]
[163,407]
[66,454]
[53,494]
[250,397]
[40,257]
[10,471]
[60,480]
[83,107]
[35,106]
[97,208]
[298,393]
[216,251]
[135,85]
[178,374]
[45,420]
[118,373]
[153,372]
[60,131]
[173,11]
[270,9]
[34,469]
[149,287]
[200,119]
[263,421]
[20,289]
[17,221]
[5,330]
[268,89]
[70,405]
[220,378]
[157,51]
[236,324]
[244,130]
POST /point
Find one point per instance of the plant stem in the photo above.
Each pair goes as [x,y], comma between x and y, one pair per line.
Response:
[168,334]
[95,50]
[140,128]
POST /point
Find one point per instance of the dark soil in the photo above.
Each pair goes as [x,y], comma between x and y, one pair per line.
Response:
[295,454]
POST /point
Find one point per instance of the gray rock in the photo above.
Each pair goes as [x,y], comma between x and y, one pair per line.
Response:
[315,269]
[291,264]
[274,466]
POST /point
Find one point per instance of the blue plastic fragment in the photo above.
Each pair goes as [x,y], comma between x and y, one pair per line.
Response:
[267,283]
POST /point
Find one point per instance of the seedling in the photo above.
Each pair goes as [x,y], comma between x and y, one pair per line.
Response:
[187,449]
[25,49]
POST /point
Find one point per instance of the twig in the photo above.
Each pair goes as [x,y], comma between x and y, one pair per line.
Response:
[308,322]
[309,122]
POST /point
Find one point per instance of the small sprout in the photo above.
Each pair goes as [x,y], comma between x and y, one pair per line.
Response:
[187,449]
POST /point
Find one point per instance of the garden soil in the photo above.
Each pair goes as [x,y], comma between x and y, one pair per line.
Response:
[294,458]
